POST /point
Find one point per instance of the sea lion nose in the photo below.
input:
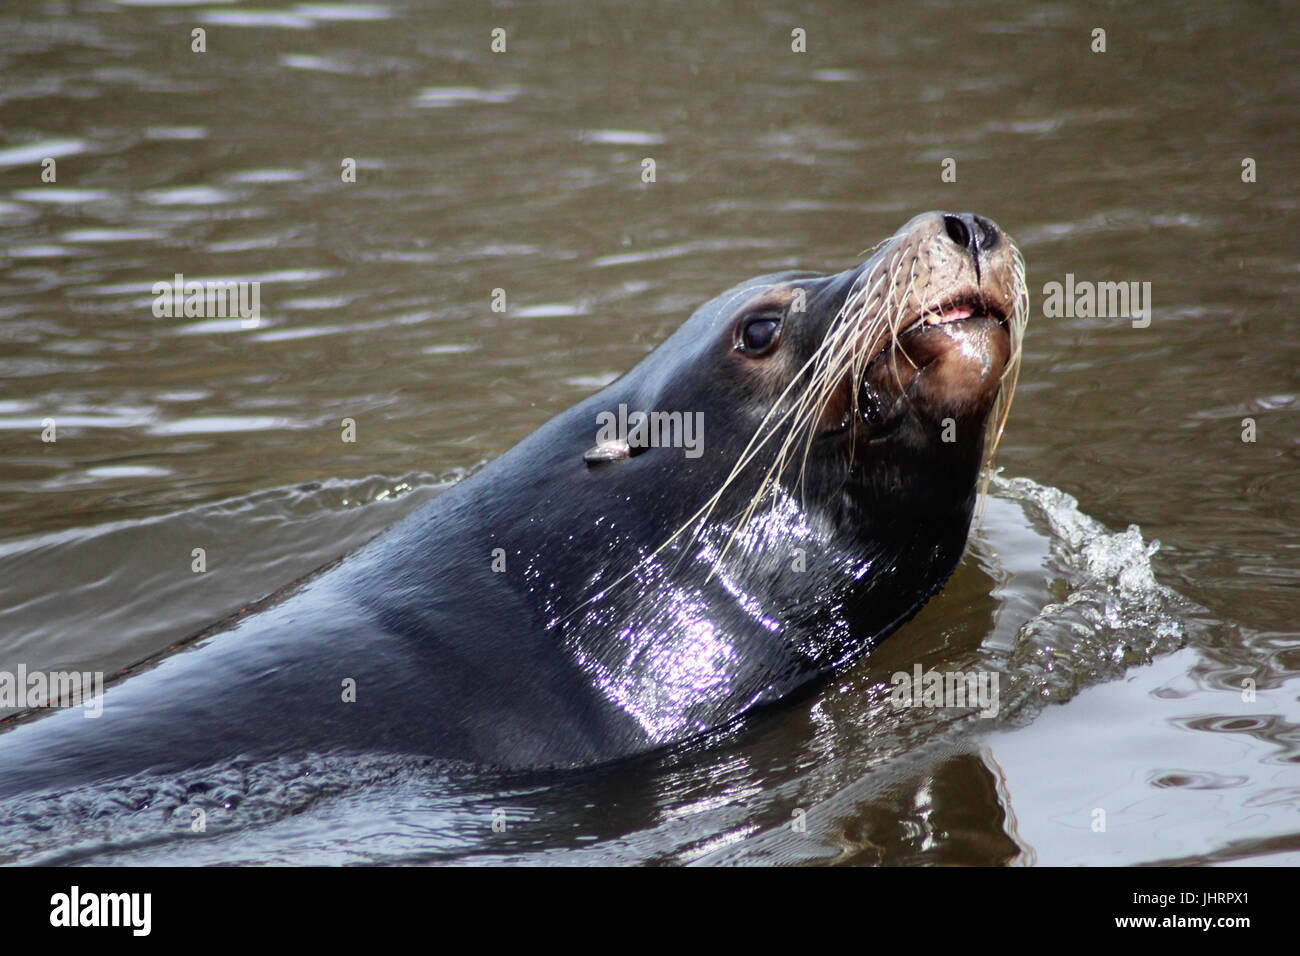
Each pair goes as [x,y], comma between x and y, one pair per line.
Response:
[973,233]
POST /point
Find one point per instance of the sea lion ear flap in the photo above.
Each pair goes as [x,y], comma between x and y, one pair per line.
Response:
[615,449]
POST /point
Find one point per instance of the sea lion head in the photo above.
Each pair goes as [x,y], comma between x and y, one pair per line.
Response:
[845,419]
[882,386]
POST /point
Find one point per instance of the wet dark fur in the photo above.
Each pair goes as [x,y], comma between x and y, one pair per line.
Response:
[453,660]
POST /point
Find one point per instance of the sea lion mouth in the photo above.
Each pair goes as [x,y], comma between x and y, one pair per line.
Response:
[912,379]
[873,403]
[957,309]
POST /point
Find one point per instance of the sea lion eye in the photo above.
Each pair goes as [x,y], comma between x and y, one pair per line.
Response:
[758,335]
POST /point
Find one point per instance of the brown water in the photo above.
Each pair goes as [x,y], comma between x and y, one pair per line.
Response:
[522,171]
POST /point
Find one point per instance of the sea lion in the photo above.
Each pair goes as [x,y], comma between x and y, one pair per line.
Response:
[591,594]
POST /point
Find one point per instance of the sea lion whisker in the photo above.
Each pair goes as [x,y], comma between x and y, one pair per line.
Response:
[808,405]
[755,444]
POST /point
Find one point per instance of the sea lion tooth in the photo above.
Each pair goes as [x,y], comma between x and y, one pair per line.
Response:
[951,314]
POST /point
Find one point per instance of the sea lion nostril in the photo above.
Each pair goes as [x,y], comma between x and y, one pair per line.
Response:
[989,235]
[957,231]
